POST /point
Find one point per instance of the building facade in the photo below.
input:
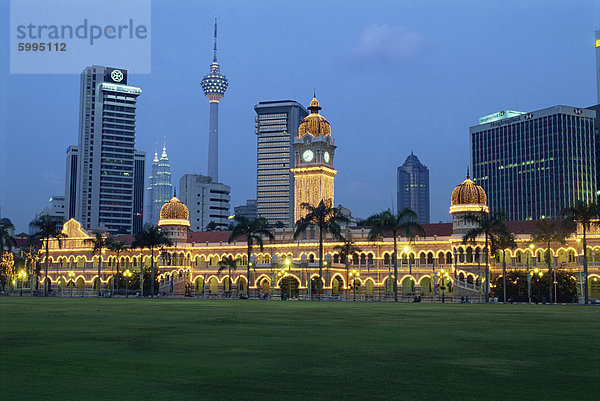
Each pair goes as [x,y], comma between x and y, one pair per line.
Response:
[413,187]
[313,170]
[214,85]
[248,210]
[533,165]
[208,202]
[160,188]
[276,127]
[56,209]
[438,266]
[106,150]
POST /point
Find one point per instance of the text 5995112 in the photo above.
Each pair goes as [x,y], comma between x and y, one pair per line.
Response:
[42,47]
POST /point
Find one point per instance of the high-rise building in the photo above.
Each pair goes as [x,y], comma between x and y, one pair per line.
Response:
[106,150]
[598,66]
[276,128]
[207,201]
[313,154]
[533,165]
[160,189]
[248,210]
[413,187]
[214,85]
[56,209]
[139,173]
[71,182]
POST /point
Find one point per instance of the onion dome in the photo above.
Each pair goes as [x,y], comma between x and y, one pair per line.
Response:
[314,124]
[174,213]
[468,197]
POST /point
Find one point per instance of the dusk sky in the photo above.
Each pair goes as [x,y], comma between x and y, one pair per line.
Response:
[392,77]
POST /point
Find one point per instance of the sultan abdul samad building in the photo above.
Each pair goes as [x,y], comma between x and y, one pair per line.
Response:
[438,264]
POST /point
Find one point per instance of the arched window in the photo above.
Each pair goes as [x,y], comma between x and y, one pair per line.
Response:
[386,258]
[448,258]
[336,258]
[363,259]
[430,258]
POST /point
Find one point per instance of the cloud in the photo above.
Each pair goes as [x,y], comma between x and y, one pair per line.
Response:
[389,44]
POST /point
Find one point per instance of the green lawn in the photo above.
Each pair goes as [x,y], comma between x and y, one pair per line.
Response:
[198,349]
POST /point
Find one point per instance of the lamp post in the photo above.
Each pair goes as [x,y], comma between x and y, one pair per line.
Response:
[22,276]
[354,274]
[535,272]
[71,276]
[127,274]
[443,277]
[282,274]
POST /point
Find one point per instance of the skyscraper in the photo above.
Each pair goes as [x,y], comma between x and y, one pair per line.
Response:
[139,174]
[413,187]
[71,182]
[106,150]
[214,85]
[275,128]
[598,66]
[160,189]
[207,201]
[533,165]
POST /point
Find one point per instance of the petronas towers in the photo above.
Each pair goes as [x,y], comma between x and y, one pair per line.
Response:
[160,189]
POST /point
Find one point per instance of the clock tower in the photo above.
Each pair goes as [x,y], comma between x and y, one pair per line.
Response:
[313,169]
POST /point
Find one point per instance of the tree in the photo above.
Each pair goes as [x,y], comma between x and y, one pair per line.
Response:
[228,262]
[117,247]
[493,227]
[100,243]
[347,249]
[403,223]
[254,231]
[212,226]
[150,237]
[505,241]
[585,214]
[46,229]
[7,242]
[326,219]
[549,232]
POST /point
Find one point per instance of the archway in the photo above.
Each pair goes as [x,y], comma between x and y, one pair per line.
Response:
[408,286]
[426,287]
[336,286]
[241,285]
[80,284]
[265,287]
[370,287]
[213,286]
[199,285]
[289,287]
[594,287]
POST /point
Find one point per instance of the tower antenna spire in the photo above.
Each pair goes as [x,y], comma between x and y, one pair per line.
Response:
[215,48]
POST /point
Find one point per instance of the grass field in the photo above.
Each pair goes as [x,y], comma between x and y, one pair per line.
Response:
[198,349]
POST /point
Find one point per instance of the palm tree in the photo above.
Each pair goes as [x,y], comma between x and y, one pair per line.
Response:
[505,241]
[150,237]
[117,247]
[492,226]
[100,243]
[7,241]
[254,230]
[327,219]
[550,232]
[347,249]
[228,262]
[47,228]
[403,223]
[585,214]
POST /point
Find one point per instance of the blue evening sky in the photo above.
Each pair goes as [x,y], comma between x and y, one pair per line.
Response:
[392,77]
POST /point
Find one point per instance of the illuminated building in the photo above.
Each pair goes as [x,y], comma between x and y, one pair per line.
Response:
[276,128]
[105,187]
[533,165]
[55,209]
[438,264]
[597,42]
[160,189]
[413,187]
[313,154]
[214,85]
[208,201]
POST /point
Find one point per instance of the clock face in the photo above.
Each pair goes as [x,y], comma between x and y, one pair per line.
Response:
[326,157]
[308,155]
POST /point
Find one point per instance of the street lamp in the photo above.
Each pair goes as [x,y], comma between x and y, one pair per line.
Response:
[354,275]
[282,274]
[71,278]
[532,247]
[535,272]
[443,277]
[22,276]
[127,274]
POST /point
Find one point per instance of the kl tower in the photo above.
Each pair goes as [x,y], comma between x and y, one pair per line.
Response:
[214,85]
